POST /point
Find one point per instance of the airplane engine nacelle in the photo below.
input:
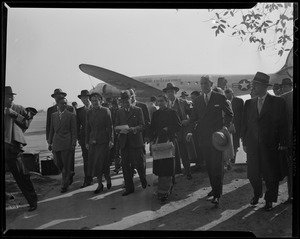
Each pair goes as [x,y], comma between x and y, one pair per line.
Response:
[110,91]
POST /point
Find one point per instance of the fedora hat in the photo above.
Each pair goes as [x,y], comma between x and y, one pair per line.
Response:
[287,81]
[261,78]
[125,95]
[170,86]
[8,91]
[221,139]
[31,110]
[84,93]
[58,92]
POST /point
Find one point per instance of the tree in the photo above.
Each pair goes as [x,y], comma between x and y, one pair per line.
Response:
[268,24]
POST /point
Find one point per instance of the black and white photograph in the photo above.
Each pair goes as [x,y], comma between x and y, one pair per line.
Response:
[150,119]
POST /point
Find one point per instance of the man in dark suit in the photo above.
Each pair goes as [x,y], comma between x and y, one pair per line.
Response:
[185,150]
[131,142]
[56,95]
[264,135]
[208,112]
[16,122]
[81,126]
[62,140]
[237,108]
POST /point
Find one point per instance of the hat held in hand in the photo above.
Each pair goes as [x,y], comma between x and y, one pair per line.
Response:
[221,139]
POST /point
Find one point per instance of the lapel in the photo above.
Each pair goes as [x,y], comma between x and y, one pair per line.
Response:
[63,119]
[210,103]
[254,107]
[266,106]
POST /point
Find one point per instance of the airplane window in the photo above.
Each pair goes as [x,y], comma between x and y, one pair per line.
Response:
[181,83]
[196,83]
[157,84]
[189,83]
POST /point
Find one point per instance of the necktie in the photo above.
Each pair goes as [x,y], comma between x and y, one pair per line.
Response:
[206,99]
[260,104]
[59,114]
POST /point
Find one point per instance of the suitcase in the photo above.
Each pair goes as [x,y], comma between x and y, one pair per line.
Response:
[31,161]
[48,167]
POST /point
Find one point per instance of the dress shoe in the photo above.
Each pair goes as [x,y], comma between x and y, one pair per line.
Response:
[99,189]
[85,185]
[189,177]
[144,183]
[63,190]
[127,193]
[32,207]
[254,201]
[210,194]
[215,200]
[268,207]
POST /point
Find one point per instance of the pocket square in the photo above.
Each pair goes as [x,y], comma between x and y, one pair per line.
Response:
[217,105]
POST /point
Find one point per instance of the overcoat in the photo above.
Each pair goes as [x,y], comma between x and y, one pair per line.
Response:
[237,108]
[262,134]
[81,124]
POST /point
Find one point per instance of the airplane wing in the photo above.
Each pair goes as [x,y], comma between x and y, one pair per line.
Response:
[119,81]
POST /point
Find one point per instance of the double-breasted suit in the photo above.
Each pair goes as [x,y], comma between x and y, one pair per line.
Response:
[210,119]
[50,111]
[62,137]
[132,144]
[99,132]
[262,134]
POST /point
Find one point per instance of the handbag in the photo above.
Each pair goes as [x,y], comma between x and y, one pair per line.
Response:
[163,150]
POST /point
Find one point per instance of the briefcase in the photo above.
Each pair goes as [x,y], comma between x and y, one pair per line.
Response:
[31,161]
[48,167]
[163,150]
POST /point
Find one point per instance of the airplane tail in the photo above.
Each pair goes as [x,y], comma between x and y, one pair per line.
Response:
[287,69]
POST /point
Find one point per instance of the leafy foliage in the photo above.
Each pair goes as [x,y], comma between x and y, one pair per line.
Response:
[268,24]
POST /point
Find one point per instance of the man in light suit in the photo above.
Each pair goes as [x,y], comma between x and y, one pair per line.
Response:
[62,140]
[56,95]
[264,135]
[16,122]
[81,126]
[237,108]
[208,112]
[131,142]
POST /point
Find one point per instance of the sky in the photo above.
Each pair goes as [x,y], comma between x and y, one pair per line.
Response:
[46,46]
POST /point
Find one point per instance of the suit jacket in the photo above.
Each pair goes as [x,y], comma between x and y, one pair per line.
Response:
[51,110]
[210,118]
[288,97]
[81,124]
[146,116]
[99,127]
[266,131]
[183,110]
[62,134]
[135,119]
[14,128]
[237,108]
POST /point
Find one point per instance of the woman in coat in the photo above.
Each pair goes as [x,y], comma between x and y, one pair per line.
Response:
[99,139]
[165,123]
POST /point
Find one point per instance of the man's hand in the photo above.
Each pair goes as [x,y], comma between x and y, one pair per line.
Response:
[87,146]
[165,128]
[245,149]
[50,147]
[185,123]
[189,137]
[110,144]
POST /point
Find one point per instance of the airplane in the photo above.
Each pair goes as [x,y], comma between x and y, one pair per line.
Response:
[147,86]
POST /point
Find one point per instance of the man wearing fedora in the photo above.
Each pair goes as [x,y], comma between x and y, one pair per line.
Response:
[62,140]
[16,122]
[264,136]
[81,127]
[287,86]
[183,149]
[131,142]
[58,93]
[212,113]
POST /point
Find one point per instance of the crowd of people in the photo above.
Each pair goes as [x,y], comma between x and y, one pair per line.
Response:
[205,130]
